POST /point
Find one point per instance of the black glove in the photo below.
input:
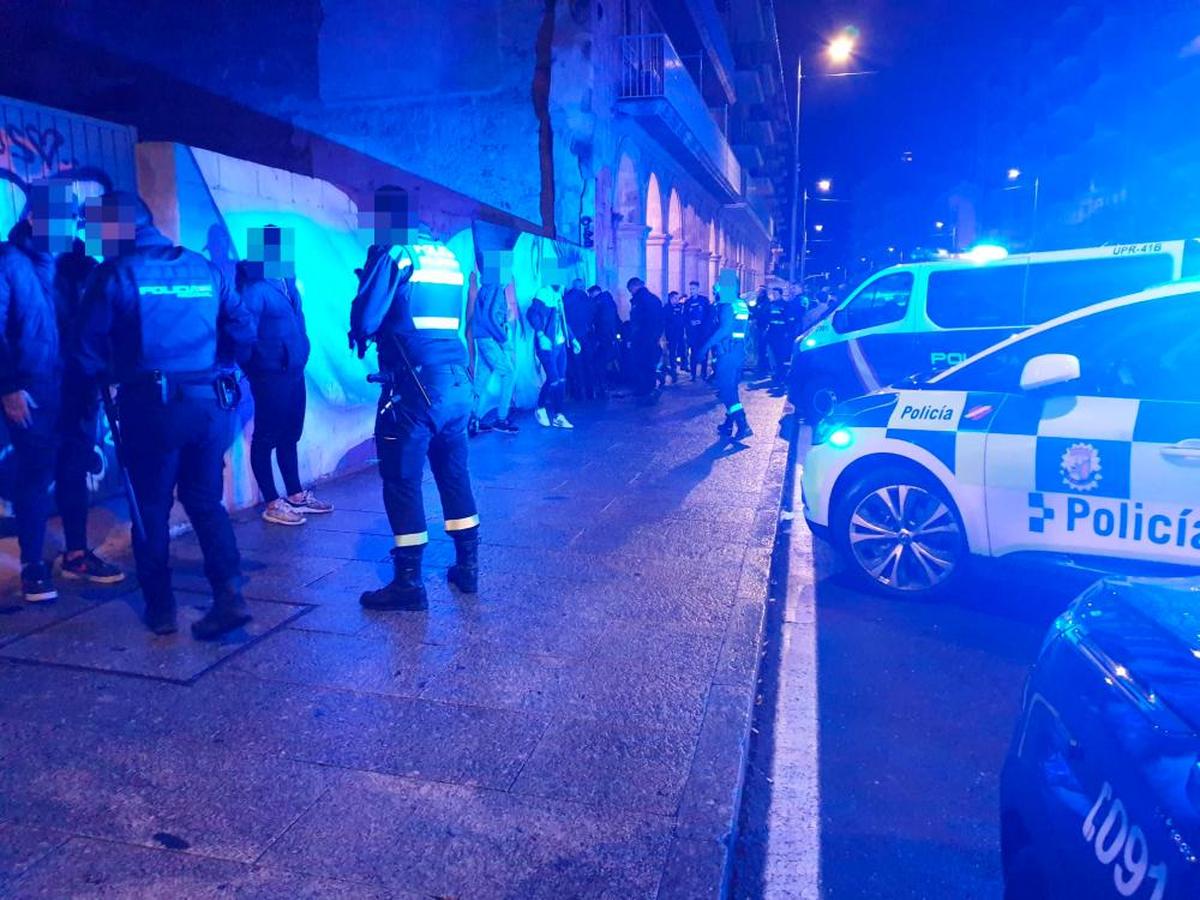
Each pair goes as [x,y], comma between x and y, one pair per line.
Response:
[358,343]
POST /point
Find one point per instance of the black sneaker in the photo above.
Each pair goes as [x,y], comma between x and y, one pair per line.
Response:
[485,425]
[504,426]
[36,584]
[90,567]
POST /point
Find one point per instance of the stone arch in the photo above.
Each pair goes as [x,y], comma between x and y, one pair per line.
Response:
[677,243]
[627,194]
[654,205]
[627,223]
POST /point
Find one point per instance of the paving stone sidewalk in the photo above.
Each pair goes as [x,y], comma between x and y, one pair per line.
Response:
[575,730]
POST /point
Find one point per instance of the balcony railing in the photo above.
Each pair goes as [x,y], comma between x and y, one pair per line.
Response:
[661,90]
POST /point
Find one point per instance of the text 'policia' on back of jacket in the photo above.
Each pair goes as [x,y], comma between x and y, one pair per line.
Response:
[412,297]
[179,304]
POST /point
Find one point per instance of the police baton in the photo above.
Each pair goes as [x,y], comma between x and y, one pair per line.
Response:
[114,428]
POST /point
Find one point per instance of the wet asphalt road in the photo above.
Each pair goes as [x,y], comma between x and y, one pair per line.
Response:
[917,702]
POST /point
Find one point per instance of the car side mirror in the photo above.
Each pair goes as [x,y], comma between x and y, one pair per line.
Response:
[1049,369]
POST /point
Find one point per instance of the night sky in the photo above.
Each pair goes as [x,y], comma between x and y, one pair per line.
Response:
[949,78]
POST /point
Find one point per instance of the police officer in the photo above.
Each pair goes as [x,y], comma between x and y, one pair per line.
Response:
[781,332]
[162,322]
[729,343]
[411,302]
[696,318]
[676,328]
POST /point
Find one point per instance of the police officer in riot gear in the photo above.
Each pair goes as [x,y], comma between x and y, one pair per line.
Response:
[729,342]
[152,319]
[411,302]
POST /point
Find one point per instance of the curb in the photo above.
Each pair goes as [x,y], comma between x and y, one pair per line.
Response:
[700,862]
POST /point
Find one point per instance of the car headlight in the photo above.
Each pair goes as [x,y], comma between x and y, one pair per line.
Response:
[835,434]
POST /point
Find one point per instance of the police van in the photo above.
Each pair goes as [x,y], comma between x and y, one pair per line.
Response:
[1079,437]
[928,316]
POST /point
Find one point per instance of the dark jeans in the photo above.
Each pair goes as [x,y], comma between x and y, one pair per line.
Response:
[696,359]
[780,347]
[729,375]
[645,359]
[179,447]
[762,365]
[76,456]
[34,450]
[279,404]
[676,354]
[581,373]
[554,365]
[604,360]
[407,431]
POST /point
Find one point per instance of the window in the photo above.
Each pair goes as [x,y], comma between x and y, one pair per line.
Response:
[1058,288]
[1142,351]
[1191,258]
[986,297]
[878,303]
[1014,295]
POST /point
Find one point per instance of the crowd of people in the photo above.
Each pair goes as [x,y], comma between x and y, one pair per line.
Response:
[586,351]
[157,335]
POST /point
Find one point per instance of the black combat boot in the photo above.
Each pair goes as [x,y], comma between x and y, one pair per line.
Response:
[743,427]
[405,591]
[464,574]
[725,429]
[229,612]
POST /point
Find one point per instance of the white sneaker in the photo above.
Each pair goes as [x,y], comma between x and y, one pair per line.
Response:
[308,504]
[561,421]
[279,513]
[543,418]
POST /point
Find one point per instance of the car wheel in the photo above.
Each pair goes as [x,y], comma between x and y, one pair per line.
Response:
[901,533]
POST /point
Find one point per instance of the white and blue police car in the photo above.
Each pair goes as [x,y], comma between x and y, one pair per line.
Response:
[1079,437]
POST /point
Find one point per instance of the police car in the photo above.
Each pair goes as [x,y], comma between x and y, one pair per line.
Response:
[1079,437]
[1100,792]
[931,315]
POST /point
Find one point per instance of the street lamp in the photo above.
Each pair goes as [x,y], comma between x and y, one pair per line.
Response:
[939,225]
[839,50]
[818,228]
[1014,174]
[824,185]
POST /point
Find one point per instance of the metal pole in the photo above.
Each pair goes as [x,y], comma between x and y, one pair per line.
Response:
[1037,183]
[796,170]
[804,240]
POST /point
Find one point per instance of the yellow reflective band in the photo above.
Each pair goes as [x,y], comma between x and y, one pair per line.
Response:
[425,275]
[735,407]
[462,524]
[741,318]
[739,335]
[427,323]
[412,540]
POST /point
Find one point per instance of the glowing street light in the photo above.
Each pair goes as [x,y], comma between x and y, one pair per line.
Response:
[939,225]
[1014,174]
[841,48]
[818,228]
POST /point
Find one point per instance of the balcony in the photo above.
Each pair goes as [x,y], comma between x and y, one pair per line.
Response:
[657,90]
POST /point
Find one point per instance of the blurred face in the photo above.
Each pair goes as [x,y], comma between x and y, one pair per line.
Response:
[110,226]
[497,266]
[53,216]
[577,284]
[389,220]
[271,252]
[693,289]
